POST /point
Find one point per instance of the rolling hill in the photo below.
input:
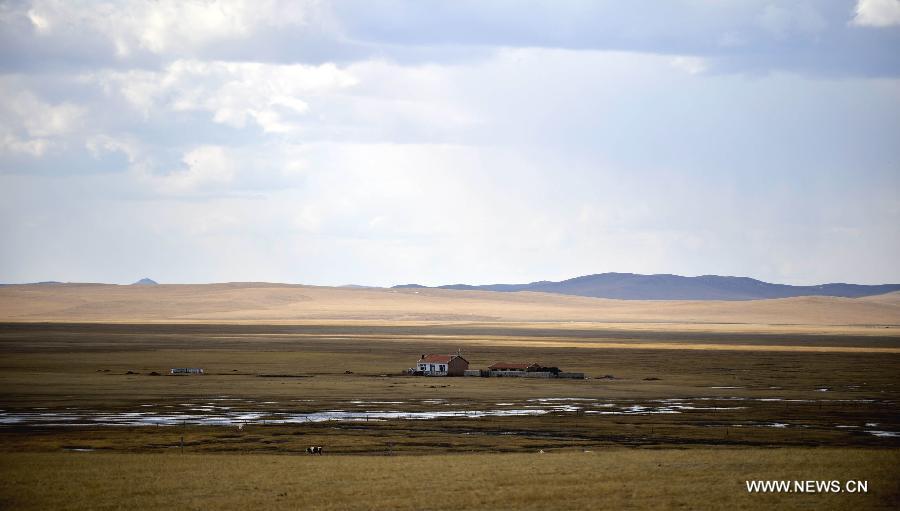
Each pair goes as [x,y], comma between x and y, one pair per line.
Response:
[630,286]
[284,303]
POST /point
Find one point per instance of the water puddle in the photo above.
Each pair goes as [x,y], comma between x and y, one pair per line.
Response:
[240,412]
[884,434]
[214,412]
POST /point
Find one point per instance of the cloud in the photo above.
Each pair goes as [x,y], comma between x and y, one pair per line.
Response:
[223,171]
[163,26]
[877,13]
[32,126]
[234,93]
[41,119]
[749,36]
[690,65]
[32,147]
[205,166]
[362,142]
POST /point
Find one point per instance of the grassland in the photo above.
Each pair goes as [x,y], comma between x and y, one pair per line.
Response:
[611,479]
[681,405]
[731,397]
[280,303]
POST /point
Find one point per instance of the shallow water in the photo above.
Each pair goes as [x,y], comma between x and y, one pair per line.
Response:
[209,412]
[229,418]
[884,434]
[238,412]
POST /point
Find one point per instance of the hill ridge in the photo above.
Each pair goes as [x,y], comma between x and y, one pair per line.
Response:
[667,286]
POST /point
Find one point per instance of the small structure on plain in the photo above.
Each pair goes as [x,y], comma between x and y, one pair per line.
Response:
[432,364]
[186,370]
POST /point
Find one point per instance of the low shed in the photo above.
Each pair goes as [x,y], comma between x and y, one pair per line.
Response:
[186,370]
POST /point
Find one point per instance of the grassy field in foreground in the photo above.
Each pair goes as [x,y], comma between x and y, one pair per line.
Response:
[753,398]
[611,479]
[738,404]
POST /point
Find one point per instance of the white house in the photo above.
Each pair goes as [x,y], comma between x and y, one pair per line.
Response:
[442,365]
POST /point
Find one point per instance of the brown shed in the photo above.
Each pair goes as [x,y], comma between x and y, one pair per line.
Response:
[514,366]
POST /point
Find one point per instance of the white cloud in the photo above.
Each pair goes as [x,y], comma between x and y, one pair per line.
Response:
[39,22]
[103,143]
[34,147]
[46,120]
[206,171]
[32,126]
[207,167]
[877,13]
[163,26]
[234,93]
[527,163]
[690,65]
[738,35]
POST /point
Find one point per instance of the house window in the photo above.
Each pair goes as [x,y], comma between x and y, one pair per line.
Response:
[443,368]
[422,366]
[432,368]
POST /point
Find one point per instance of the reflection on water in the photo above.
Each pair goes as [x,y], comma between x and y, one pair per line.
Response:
[239,412]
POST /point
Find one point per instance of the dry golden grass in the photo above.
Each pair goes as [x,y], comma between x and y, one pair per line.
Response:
[58,365]
[655,350]
[608,479]
[87,366]
[49,362]
[280,303]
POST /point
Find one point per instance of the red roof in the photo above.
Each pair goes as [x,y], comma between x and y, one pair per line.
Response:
[503,366]
[436,359]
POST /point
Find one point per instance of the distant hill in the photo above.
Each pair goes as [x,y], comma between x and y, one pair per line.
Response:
[630,286]
[145,282]
[267,303]
[43,283]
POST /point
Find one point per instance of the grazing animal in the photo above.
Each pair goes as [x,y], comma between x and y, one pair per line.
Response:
[314,449]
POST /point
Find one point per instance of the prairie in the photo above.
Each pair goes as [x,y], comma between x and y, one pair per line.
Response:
[614,479]
[639,395]
[683,401]
[281,303]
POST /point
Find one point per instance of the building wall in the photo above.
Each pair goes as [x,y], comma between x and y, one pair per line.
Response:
[457,367]
[518,374]
[433,369]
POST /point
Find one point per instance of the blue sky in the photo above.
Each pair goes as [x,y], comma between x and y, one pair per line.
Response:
[383,142]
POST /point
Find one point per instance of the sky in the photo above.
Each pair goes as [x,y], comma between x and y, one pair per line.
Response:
[380,142]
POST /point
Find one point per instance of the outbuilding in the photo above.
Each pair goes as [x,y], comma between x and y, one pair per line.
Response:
[186,370]
[514,367]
